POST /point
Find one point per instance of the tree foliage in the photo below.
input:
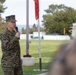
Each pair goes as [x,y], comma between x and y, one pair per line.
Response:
[34,28]
[2,8]
[57,18]
[23,31]
[2,23]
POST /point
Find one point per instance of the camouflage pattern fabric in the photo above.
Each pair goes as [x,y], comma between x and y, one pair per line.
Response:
[12,71]
[10,51]
[10,18]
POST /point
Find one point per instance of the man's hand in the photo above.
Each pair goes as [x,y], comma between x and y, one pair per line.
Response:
[18,35]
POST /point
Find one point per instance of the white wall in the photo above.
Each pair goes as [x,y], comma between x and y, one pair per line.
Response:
[48,37]
[35,34]
[56,37]
[23,36]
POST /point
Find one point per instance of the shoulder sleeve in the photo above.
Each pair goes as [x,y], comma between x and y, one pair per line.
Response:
[8,44]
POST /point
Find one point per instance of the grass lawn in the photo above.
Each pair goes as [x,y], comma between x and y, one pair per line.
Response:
[48,49]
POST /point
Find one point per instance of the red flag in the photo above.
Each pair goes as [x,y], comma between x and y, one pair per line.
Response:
[36,9]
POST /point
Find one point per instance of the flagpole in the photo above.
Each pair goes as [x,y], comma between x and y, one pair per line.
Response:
[37,18]
[27,27]
[39,46]
[27,30]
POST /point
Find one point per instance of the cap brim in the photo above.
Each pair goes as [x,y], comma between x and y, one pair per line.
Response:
[12,21]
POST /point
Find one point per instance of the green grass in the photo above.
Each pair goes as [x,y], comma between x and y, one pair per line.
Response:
[48,49]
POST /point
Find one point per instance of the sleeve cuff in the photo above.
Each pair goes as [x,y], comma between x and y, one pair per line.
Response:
[16,38]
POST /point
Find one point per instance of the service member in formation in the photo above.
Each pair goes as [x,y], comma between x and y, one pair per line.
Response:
[11,58]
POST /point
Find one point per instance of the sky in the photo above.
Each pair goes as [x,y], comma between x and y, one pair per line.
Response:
[18,8]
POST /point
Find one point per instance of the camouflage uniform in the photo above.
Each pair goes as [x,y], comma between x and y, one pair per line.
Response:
[11,61]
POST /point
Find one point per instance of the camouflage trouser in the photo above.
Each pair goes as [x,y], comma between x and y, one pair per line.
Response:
[12,71]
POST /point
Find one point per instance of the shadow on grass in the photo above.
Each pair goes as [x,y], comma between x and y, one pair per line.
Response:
[35,69]
[31,70]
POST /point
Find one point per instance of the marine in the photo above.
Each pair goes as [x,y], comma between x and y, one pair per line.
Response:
[11,57]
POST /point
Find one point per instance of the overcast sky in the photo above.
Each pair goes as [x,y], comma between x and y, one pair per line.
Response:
[18,7]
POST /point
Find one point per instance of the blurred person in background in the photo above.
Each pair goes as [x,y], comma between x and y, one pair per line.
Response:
[64,62]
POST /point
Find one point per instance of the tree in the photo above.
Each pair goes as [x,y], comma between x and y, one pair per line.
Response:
[35,29]
[2,8]
[23,31]
[57,18]
[2,23]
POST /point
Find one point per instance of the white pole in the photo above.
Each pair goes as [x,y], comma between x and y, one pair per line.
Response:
[39,40]
[27,27]
[39,46]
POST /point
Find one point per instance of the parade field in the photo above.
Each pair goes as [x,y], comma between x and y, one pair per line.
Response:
[48,49]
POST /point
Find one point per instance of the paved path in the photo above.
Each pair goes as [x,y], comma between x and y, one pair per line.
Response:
[43,74]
